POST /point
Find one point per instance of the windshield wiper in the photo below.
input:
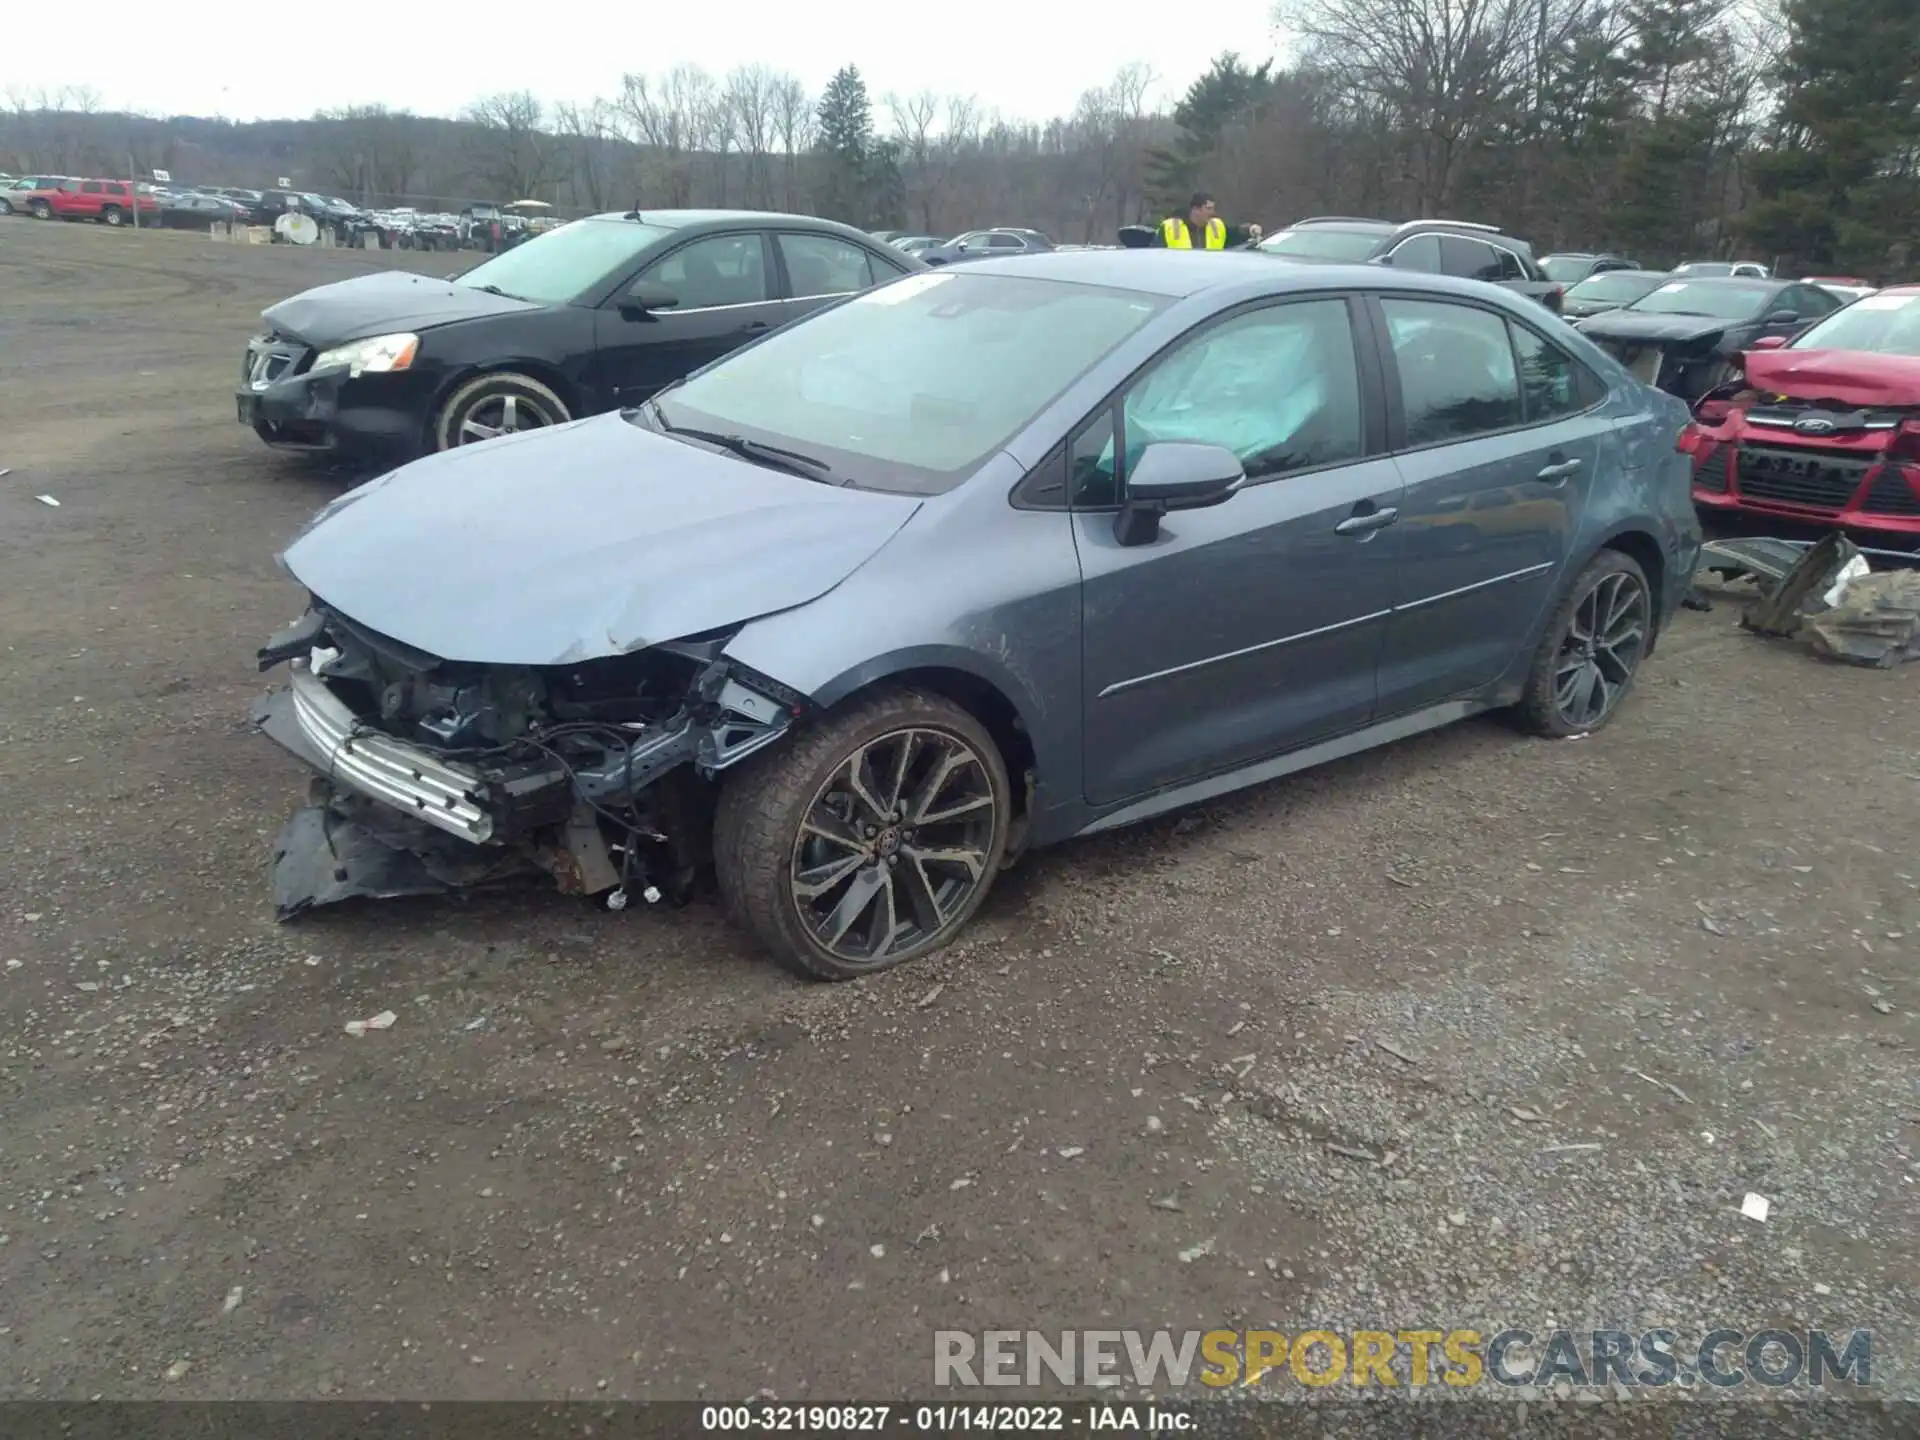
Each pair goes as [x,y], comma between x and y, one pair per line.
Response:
[496,290]
[775,457]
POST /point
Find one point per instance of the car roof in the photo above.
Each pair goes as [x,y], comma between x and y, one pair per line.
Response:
[1637,274]
[1180,273]
[1735,282]
[686,219]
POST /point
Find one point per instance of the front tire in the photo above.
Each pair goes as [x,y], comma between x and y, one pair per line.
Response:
[1591,650]
[40,209]
[503,402]
[868,842]
[113,215]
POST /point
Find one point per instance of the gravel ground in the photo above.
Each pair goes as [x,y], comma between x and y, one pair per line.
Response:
[1475,1030]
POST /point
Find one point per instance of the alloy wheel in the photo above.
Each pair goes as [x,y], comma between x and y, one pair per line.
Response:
[894,845]
[497,415]
[1606,636]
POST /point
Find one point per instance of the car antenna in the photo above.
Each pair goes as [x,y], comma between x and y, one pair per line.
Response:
[634,213]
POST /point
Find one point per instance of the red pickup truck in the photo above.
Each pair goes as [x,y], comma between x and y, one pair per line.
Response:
[110,201]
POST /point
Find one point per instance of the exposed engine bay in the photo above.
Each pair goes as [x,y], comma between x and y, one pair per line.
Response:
[1689,368]
[436,776]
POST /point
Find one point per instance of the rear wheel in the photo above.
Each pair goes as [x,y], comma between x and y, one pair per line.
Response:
[113,215]
[502,403]
[1591,650]
[40,209]
[869,841]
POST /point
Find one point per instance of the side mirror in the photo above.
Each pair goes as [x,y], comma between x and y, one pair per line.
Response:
[1174,475]
[646,296]
[1382,260]
[1783,317]
[1769,342]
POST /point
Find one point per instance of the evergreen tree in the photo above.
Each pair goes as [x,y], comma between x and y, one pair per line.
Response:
[1229,92]
[1839,185]
[846,144]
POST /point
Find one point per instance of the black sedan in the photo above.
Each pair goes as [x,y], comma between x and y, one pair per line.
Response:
[1681,335]
[190,211]
[596,315]
[1609,290]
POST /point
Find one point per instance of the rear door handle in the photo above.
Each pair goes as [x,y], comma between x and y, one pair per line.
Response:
[753,325]
[1560,470]
[1368,523]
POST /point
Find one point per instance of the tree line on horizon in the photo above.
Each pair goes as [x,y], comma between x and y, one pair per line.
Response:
[1671,129]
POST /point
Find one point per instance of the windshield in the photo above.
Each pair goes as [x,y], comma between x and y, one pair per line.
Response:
[1704,267]
[1323,243]
[564,263]
[1614,288]
[1566,268]
[910,386]
[1715,299]
[1884,324]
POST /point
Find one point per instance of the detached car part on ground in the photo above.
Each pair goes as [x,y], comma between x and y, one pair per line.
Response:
[1824,430]
[587,317]
[986,558]
[1684,336]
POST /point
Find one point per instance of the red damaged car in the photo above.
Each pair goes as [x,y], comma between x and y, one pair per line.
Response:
[1824,429]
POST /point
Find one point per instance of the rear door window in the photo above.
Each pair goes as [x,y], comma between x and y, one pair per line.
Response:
[826,265]
[1510,266]
[1469,259]
[92,187]
[1421,253]
[1456,369]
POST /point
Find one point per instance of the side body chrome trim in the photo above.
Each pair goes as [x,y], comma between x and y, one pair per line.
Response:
[1521,574]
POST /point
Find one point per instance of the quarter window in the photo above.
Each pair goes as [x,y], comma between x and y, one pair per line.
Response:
[1553,384]
[719,270]
[825,265]
[1457,376]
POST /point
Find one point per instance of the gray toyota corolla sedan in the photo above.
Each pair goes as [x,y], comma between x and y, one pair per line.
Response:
[976,561]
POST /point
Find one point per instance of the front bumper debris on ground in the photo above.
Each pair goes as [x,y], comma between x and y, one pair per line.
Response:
[1829,594]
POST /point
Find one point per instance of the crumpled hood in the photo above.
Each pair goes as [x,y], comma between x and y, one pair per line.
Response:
[1637,327]
[589,539]
[1852,377]
[381,304]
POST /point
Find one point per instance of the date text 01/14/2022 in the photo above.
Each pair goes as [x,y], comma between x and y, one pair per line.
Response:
[941,1419]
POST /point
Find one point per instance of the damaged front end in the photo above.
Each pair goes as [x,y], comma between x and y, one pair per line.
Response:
[435,776]
[1688,367]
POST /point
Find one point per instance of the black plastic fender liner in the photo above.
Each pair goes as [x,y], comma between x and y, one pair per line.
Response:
[338,847]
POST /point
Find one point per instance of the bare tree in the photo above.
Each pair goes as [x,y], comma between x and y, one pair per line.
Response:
[792,111]
[511,149]
[749,97]
[587,133]
[1445,70]
[671,119]
[366,151]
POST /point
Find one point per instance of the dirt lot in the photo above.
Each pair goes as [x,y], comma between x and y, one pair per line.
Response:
[622,1151]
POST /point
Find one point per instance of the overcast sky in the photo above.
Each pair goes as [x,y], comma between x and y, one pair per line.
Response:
[250,61]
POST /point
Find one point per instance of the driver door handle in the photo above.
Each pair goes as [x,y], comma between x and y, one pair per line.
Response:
[756,325]
[1366,524]
[1558,471]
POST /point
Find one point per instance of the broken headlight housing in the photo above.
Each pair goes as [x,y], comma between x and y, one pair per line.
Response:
[375,355]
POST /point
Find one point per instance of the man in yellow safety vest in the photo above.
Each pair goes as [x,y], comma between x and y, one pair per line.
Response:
[1203,229]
